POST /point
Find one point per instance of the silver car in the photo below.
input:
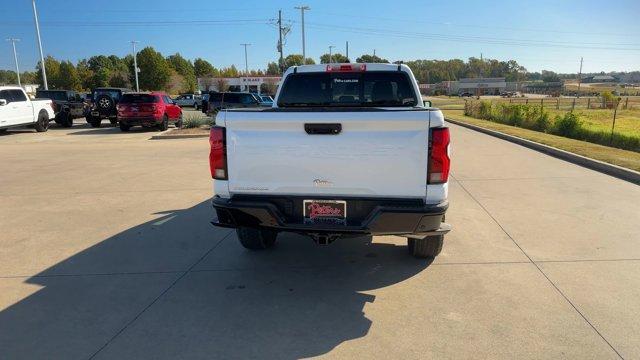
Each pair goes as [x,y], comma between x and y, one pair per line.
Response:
[189,100]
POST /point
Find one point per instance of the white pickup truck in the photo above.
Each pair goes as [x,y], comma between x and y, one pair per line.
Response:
[16,109]
[346,149]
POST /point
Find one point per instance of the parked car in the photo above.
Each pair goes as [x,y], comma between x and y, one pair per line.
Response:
[266,100]
[231,100]
[154,109]
[103,105]
[67,104]
[465,94]
[190,100]
[17,109]
[311,165]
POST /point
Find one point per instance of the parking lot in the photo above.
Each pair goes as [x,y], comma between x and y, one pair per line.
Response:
[107,252]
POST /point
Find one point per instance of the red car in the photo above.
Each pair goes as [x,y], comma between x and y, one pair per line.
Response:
[154,109]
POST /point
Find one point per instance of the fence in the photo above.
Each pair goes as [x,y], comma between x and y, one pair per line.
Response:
[626,103]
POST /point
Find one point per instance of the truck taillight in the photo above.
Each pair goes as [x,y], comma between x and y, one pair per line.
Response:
[439,162]
[346,67]
[218,154]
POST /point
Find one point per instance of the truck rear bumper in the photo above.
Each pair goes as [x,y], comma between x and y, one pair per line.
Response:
[379,217]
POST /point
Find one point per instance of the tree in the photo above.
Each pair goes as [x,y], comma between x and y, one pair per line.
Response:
[335,58]
[273,68]
[222,85]
[229,72]
[185,69]
[549,76]
[292,60]
[371,59]
[8,77]
[52,66]
[155,71]
[203,68]
[68,77]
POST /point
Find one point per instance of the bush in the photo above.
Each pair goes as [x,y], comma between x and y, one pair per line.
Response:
[191,122]
[567,125]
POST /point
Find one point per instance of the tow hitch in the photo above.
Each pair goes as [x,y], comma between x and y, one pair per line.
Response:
[324,239]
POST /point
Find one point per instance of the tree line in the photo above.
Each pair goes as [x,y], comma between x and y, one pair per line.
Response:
[176,74]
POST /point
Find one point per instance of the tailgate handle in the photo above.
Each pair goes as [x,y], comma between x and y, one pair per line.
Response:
[323,129]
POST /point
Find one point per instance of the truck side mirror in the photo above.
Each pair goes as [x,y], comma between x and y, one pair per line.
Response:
[427,103]
[3,102]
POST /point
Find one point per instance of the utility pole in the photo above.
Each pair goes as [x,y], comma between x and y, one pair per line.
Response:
[135,63]
[348,50]
[246,62]
[330,54]
[302,8]
[281,62]
[580,76]
[42,67]
[374,52]
[15,57]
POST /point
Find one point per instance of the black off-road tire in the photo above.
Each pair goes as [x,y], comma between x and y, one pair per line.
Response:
[105,103]
[42,124]
[256,239]
[124,127]
[426,248]
[65,119]
[94,121]
[114,122]
[164,125]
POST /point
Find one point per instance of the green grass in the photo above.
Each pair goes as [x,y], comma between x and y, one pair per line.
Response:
[627,121]
[624,158]
[190,121]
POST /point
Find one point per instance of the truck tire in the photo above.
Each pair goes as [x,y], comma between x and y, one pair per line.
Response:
[256,239]
[426,248]
[42,124]
[124,127]
[195,106]
[114,122]
[65,119]
[94,122]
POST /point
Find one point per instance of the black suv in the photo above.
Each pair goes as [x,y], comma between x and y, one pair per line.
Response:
[231,100]
[104,101]
[67,104]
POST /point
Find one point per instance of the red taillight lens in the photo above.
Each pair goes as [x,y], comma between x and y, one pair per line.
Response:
[439,162]
[218,154]
[346,67]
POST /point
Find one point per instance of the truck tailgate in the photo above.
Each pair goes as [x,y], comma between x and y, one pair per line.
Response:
[378,153]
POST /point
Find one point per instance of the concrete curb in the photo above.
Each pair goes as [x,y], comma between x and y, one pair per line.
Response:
[166,135]
[609,169]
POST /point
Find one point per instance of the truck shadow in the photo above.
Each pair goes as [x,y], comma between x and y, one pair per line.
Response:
[297,300]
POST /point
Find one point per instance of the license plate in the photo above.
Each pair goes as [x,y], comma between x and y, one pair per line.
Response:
[95,113]
[325,212]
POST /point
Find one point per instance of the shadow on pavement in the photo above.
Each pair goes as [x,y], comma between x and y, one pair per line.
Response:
[297,300]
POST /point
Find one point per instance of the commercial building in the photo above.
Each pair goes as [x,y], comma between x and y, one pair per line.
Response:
[480,86]
[254,84]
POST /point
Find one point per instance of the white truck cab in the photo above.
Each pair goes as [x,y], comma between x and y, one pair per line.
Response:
[346,149]
[17,109]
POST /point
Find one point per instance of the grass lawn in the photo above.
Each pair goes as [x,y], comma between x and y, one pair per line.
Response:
[624,158]
[627,121]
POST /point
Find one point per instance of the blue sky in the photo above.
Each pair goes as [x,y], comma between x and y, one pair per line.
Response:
[539,34]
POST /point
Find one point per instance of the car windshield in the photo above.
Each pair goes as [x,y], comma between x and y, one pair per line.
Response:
[138,98]
[53,95]
[381,89]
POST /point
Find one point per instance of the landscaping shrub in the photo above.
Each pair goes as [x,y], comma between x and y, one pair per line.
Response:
[567,125]
[190,122]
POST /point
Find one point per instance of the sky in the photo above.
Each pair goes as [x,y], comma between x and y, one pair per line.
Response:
[541,34]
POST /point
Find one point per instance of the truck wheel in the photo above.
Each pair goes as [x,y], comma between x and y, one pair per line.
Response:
[114,122]
[256,239]
[42,124]
[124,127]
[164,125]
[428,247]
[65,119]
[195,106]
[95,122]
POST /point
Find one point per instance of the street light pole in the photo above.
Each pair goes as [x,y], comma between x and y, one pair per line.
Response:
[44,71]
[15,57]
[302,8]
[246,62]
[331,54]
[135,63]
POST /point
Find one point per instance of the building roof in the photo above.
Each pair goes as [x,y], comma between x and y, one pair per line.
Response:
[482,80]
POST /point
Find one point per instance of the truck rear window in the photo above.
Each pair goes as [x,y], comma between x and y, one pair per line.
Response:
[138,99]
[376,89]
[53,95]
